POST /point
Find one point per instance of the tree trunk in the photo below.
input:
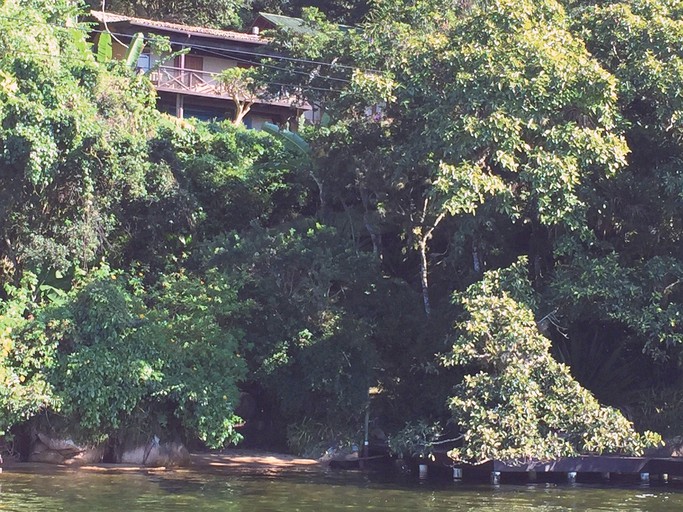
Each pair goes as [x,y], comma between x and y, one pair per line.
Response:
[423,239]
[241,111]
[371,228]
[424,275]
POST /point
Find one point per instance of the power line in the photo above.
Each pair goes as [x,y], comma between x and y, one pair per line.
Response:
[305,73]
[210,47]
[104,2]
[257,54]
[224,52]
[93,61]
[219,51]
[253,54]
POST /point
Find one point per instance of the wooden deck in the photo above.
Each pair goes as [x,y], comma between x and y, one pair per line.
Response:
[565,469]
[205,84]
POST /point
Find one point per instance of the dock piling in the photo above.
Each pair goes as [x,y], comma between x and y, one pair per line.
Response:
[423,471]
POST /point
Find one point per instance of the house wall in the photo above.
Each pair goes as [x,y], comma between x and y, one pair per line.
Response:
[210,64]
[203,107]
[216,64]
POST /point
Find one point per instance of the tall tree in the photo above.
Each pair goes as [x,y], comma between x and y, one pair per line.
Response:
[521,404]
[203,13]
[495,100]
[72,140]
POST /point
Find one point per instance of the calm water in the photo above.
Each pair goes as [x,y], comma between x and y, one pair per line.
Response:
[315,491]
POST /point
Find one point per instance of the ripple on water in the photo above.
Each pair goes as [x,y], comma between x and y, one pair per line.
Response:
[196,492]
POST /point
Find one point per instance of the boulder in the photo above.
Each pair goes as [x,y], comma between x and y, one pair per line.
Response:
[54,450]
[155,454]
[63,451]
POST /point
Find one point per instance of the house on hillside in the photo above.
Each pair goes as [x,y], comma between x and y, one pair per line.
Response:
[268,21]
[186,85]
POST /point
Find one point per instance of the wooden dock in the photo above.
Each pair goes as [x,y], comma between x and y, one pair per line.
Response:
[588,468]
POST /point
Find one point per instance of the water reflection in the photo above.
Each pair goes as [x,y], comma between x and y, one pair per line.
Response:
[196,492]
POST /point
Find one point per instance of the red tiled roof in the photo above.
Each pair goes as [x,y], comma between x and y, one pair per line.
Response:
[106,17]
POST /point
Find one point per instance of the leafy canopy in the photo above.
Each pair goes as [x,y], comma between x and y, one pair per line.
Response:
[521,404]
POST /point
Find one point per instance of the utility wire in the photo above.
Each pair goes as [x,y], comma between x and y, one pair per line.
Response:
[228,53]
[92,61]
[306,73]
[210,47]
[107,28]
[222,52]
[245,52]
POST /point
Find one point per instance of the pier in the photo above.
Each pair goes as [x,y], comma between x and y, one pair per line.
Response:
[588,468]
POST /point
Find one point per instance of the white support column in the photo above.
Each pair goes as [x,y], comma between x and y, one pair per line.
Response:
[423,471]
[181,61]
[179,106]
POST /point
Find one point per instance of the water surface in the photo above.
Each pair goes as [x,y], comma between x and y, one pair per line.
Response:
[68,490]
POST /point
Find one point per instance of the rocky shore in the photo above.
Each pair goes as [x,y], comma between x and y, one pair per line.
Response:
[231,460]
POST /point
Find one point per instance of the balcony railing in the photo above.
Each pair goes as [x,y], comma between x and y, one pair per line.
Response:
[202,83]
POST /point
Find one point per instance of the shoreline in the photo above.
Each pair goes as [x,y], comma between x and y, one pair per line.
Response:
[229,460]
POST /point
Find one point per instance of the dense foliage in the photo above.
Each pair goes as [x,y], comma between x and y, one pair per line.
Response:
[163,277]
[231,14]
[522,404]
[202,13]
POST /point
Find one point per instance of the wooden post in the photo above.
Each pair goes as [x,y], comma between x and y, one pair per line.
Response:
[179,106]
[423,471]
[366,428]
[366,433]
[181,61]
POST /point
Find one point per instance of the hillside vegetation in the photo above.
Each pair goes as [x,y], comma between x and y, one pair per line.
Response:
[482,239]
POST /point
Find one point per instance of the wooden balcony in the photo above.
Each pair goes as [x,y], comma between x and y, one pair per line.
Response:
[203,83]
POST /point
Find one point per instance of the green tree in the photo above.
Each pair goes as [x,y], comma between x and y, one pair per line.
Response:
[117,360]
[24,389]
[635,215]
[75,175]
[240,85]
[522,404]
[309,346]
[72,143]
[202,13]
[508,104]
